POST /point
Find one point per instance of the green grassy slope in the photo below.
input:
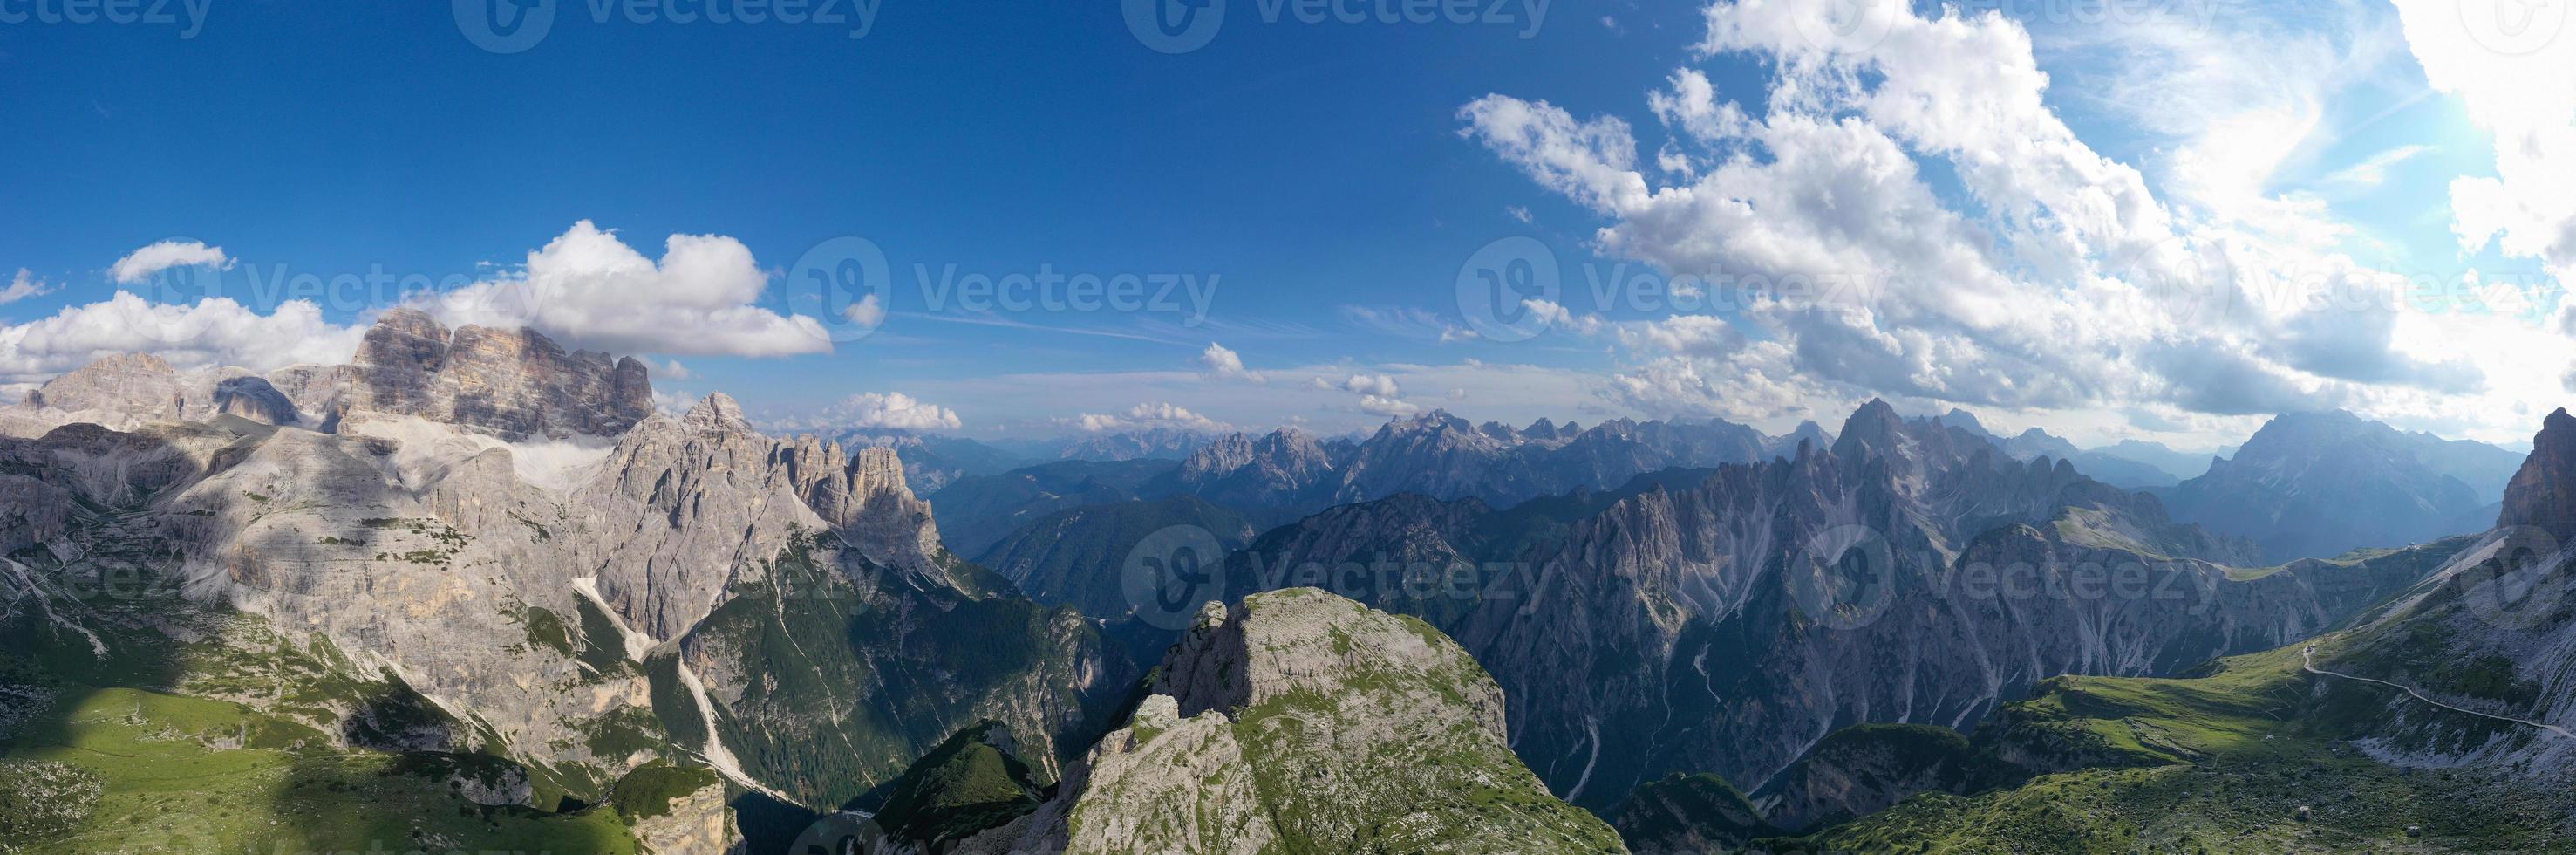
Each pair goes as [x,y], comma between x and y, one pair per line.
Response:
[2248,758]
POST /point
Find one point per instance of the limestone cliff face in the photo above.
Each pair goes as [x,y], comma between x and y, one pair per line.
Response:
[698,823]
[513,383]
[132,390]
[526,610]
[681,504]
[136,387]
[1301,721]
[2543,493]
[1913,573]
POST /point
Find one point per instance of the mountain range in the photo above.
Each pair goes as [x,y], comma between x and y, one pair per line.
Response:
[472,590]
[2315,485]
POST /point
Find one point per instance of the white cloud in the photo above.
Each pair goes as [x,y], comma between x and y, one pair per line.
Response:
[1559,317]
[1149,416]
[867,313]
[2521,89]
[24,286]
[2054,279]
[1378,385]
[1685,335]
[670,370]
[2373,170]
[142,263]
[1388,407]
[213,331]
[891,410]
[588,289]
[1224,364]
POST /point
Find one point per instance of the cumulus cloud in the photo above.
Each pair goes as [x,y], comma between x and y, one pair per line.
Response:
[1556,316]
[25,285]
[140,264]
[1684,335]
[589,289]
[889,410]
[1149,416]
[1389,407]
[2052,278]
[1379,394]
[1224,364]
[1379,385]
[2521,88]
[867,313]
[210,332]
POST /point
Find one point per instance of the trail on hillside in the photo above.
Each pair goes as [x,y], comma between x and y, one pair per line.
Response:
[2308,660]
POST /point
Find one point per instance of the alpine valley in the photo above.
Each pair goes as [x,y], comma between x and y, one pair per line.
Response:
[473,591]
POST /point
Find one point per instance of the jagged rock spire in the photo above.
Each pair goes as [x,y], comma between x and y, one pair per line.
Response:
[718,411]
[2543,493]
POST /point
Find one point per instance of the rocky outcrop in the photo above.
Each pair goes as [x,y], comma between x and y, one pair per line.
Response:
[1301,721]
[513,383]
[698,823]
[128,391]
[252,397]
[2543,493]
[127,388]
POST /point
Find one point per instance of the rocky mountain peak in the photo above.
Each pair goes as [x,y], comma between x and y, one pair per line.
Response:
[1959,418]
[1874,430]
[404,338]
[2543,493]
[138,385]
[512,383]
[719,412]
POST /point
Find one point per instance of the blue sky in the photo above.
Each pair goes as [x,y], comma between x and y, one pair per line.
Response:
[1322,175]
